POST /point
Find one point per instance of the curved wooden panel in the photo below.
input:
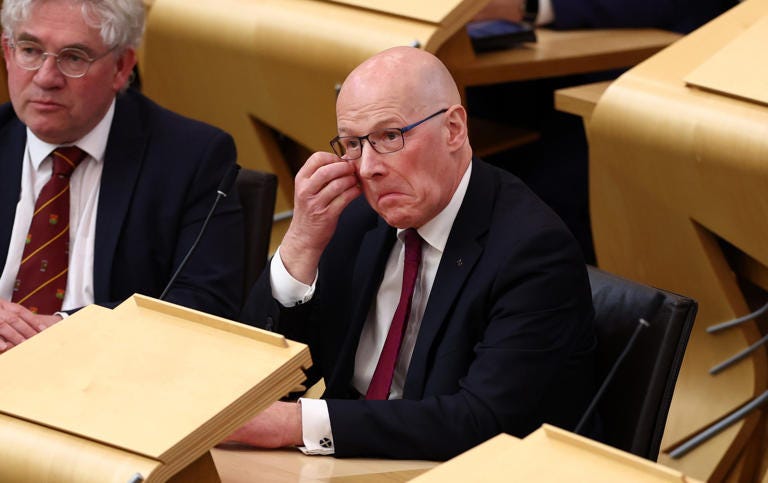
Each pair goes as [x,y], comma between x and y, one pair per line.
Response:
[676,174]
[254,68]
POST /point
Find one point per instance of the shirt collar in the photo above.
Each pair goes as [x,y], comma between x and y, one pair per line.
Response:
[435,232]
[94,143]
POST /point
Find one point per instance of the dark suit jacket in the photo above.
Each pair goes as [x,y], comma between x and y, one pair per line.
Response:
[159,181]
[505,343]
[678,15]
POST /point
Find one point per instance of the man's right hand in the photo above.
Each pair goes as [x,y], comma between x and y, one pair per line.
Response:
[324,186]
[18,324]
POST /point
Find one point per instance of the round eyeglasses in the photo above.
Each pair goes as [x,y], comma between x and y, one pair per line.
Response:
[70,61]
[383,141]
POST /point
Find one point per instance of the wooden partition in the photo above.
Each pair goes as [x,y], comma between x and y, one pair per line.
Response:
[138,393]
[268,71]
[679,200]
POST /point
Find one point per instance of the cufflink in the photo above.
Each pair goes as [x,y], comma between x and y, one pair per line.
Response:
[326,443]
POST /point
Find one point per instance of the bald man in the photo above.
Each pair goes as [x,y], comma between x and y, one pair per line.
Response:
[498,336]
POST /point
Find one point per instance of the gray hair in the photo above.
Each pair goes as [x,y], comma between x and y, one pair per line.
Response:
[120,22]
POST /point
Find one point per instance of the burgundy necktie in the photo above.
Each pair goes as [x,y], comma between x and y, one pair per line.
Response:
[382,376]
[42,277]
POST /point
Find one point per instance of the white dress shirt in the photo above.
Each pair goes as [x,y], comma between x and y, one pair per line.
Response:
[316,425]
[83,198]
[546,14]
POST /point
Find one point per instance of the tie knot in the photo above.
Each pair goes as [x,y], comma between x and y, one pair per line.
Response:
[412,242]
[66,159]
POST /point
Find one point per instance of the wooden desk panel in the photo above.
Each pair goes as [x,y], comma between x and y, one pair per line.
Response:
[290,465]
[557,53]
[580,100]
[269,68]
[677,194]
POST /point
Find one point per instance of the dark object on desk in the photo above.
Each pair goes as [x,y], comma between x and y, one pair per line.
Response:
[488,35]
[634,408]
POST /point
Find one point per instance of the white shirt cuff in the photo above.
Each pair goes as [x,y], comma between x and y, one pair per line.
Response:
[316,427]
[286,289]
[546,13]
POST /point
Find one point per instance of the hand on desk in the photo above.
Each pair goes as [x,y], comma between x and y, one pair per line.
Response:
[18,324]
[276,427]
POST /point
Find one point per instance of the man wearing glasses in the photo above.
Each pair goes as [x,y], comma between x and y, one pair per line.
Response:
[484,286]
[135,180]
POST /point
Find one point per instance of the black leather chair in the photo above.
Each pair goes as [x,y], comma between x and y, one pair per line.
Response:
[634,406]
[258,191]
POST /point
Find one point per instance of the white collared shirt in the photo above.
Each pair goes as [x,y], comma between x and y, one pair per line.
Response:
[84,196]
[546,14]
[316,425]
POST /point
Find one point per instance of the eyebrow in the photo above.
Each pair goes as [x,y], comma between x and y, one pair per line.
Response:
[381,125]
[31,38]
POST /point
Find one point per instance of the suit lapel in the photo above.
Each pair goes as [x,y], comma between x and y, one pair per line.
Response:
[122,163]
[14,138]
[462,251]
[369,269]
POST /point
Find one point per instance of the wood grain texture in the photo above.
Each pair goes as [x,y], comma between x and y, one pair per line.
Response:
[269,70]
[549,454]
[149,378]
[677,173]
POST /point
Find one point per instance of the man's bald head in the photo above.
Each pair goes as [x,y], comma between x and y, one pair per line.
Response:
[412,76]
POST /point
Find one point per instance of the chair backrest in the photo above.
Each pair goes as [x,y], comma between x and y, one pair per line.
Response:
[258,191]
[634,407]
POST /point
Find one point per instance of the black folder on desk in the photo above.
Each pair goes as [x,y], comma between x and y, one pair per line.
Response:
[488,35]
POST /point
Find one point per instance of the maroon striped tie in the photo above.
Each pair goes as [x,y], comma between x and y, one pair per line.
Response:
[385,369]
[42,277]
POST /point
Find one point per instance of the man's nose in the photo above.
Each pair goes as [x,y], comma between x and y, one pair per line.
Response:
[49,73]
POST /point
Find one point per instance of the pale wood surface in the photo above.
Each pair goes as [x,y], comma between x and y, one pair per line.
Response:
[549,454]
[565,52]
[250,67]
[733,71]
[150,378]
[580,100]
[33,453]
[386,477]
[673,171]
[257,67]
[290,465]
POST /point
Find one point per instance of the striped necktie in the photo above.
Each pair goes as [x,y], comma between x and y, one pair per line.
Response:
[42,278]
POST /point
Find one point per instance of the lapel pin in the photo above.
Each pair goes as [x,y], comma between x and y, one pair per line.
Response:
[459,262]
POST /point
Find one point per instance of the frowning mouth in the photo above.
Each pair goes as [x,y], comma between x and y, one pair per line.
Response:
[45,104]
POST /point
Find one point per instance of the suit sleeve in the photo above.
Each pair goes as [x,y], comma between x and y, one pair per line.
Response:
[212,279]
[531,362]
[677,15]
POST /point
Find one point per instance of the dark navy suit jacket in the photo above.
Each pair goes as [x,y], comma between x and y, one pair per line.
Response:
[159,181]
[505,343]
[678,15]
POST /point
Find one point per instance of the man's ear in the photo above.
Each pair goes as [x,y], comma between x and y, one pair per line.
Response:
[456,121]
[124,67]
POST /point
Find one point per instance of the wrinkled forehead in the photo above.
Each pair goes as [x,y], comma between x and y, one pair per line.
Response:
[379,90]
[360,110]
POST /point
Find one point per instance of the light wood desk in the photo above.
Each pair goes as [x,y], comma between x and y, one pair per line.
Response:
[677,196]
[290,465]
[555,53]
[267,71]
[580,100]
